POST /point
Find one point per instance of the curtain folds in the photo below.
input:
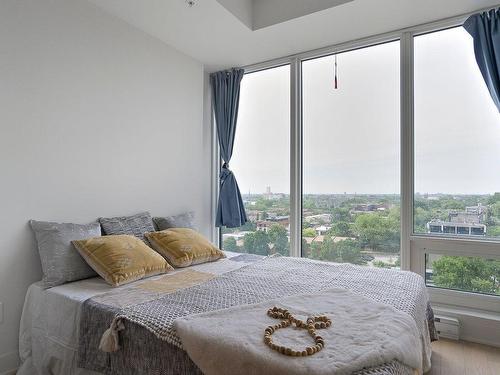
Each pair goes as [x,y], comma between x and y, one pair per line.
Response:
[225,100]
[485,30]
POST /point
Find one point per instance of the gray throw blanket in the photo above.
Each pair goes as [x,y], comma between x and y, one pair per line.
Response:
[147,310]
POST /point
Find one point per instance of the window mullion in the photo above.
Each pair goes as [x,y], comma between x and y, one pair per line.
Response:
[407,165]
[295,158]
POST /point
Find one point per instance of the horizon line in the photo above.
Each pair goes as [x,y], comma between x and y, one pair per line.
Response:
[344,193]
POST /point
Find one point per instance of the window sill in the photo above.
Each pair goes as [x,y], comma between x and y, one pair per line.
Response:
[463,311]
[472,304]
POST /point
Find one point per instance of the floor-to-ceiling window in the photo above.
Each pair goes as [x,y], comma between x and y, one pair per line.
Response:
[351,169]
[261,163]
[397,162]
[457,159]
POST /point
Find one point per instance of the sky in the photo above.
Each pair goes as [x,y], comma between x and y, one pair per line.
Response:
[351,135]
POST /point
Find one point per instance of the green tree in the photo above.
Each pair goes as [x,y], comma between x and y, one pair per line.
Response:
[346,251]
[315,250]
[451,204]
[494,198]
[231,245]
[353,201]
[306,249]
[341,214]
[278,237]
[381,264]
[493,231]
[421,217]
[349,251]
[249,226]
[494,208]
[249,242]
[341,228]
[327,249]
[420,203]
[257,243]
[309,202]
[467,273]
[378,232]
[308,232]
[263,204]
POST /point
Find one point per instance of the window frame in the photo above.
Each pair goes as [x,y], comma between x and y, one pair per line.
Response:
[414,246]
[348,47]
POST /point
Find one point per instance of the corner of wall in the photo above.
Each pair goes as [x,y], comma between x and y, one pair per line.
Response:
[210,142]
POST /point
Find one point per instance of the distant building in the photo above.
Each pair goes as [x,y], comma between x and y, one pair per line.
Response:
[321,230]
[264,225]
[253,215]
[367,207]
[310,240]
[269,195]
[318,219]
[477,210]
[283,220]
[432,198]
[465,223]
[448,227]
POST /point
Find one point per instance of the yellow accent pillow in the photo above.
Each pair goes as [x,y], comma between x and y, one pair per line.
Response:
[121,259]
[183,247]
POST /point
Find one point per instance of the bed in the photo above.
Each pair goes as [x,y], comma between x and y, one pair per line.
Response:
[61,327]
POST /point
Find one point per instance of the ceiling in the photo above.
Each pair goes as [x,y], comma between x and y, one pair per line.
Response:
[218,38]
[257,14]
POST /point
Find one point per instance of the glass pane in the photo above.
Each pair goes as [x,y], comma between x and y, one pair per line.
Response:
[351,201]
[470,274]
[457,140]
[261,164]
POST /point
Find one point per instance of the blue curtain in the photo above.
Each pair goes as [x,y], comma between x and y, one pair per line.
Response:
[225,99]
[485,30]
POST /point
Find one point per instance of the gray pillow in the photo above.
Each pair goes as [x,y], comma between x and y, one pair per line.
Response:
[135,225]
[185,220]
[61,262]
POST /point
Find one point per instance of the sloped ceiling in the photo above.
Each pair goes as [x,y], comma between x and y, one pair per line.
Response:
[216,37]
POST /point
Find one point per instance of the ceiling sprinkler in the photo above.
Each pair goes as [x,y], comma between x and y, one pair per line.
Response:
[190,3]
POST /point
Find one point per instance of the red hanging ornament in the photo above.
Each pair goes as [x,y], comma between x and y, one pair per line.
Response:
[335,79]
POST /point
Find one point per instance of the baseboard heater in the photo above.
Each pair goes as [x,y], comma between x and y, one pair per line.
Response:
[447,327]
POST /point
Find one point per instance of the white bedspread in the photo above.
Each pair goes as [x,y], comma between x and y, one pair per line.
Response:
[364,334]
[48,336]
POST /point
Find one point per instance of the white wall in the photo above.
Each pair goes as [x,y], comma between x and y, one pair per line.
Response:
[96,119]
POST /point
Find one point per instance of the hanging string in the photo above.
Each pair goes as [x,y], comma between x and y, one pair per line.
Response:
[335,80]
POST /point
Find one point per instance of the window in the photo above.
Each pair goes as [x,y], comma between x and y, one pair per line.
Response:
[261,163]
[351,178]
[470,274]
[457,140]
[347,199]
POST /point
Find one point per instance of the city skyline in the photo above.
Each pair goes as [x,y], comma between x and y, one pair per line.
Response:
[250,192]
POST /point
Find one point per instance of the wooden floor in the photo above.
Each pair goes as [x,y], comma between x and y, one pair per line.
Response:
[464,358]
